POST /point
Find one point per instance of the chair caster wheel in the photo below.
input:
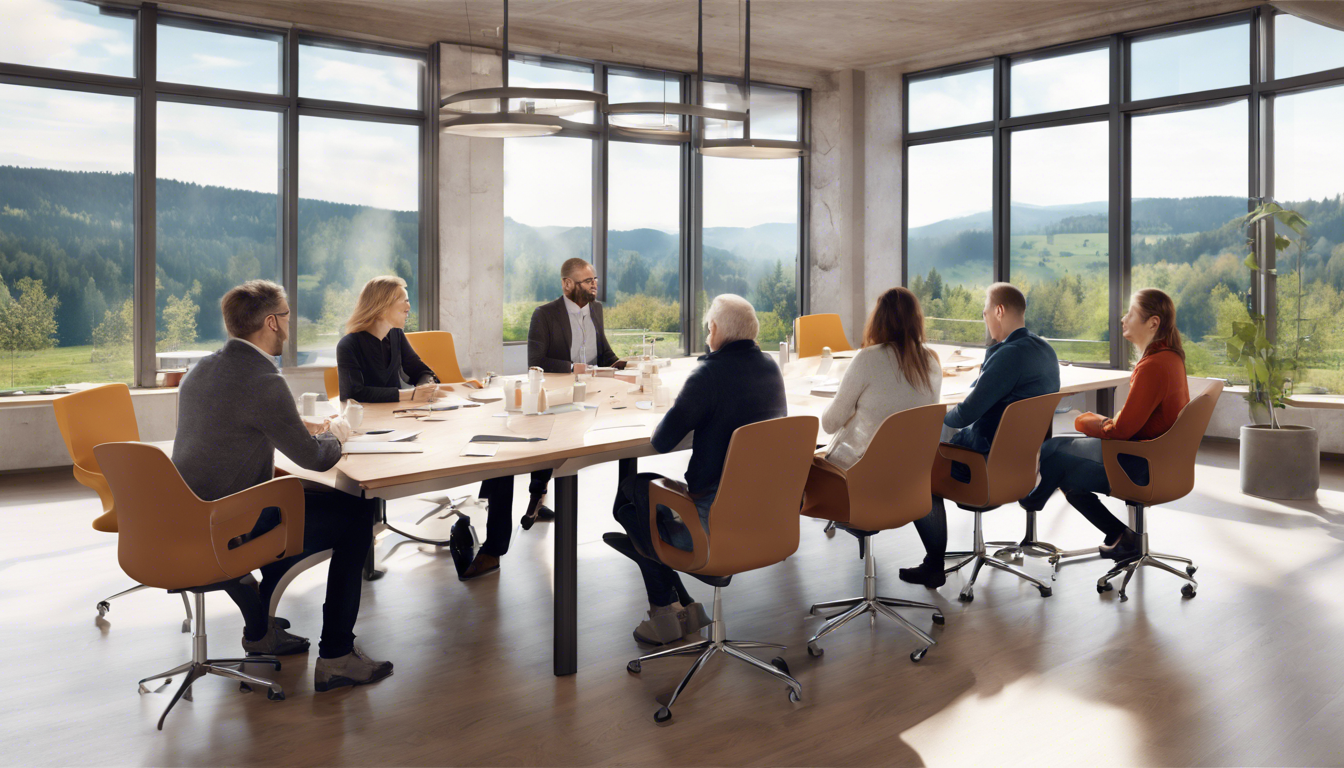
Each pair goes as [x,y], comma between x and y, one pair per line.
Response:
[1045,591]
[275,695]
[1123,597]
[1188,590]
[634,667]
[939,619]
[662,715]
[1190,569]
[966,596]
[815,651]
[779,663]
[103,608]
[917,656]
[1104,587]
[244,688]
[794,697]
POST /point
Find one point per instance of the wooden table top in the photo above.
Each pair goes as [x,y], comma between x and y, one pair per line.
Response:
[615,428]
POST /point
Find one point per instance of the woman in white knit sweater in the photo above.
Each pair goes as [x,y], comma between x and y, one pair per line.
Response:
[892,372]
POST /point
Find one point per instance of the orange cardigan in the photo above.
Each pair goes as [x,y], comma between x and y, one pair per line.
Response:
[1157,392]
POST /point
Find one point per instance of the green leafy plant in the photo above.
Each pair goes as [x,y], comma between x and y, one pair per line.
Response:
[1269,367]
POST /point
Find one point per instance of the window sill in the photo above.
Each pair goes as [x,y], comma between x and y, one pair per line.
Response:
[29,400]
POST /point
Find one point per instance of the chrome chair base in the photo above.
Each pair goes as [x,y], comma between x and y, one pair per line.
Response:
[441,502]
[705,649]
[875,604]
[1148,559]
[980,556]
[200,666]
[1030,546]
[105,604]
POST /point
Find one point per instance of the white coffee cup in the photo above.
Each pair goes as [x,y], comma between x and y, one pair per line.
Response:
[354,414]
[309,404]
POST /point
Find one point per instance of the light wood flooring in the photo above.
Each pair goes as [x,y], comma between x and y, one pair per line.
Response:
[1250,672]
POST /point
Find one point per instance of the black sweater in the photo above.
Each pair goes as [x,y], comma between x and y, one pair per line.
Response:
[374,371]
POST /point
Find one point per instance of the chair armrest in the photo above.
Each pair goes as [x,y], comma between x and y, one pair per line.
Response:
[974,493]
[668,494]
[826,495]
[233,516]
[1121,486]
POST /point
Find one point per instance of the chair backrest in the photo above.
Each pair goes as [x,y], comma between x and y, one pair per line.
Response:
[754,520]
[889,486]
[812,332]
[331,381]
[1010,468]
[437,350]
[1171,457]
[88,418]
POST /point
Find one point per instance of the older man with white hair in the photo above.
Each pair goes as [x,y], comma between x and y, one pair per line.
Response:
[734,385]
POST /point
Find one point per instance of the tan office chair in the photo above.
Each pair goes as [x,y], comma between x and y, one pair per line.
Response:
[1005,475]
[100,415]
[437,351]
[754,523]
[331,381]
[1171,469]
[172,540]
[812,332]
[885,489]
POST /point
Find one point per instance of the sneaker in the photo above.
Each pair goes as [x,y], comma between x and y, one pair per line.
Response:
[931,577]
[276,642]
[354,668]
[696,619]
[1126,547]
[536,511]
[482,565]
[662,627]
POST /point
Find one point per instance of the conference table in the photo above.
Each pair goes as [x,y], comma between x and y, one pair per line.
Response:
[615,423]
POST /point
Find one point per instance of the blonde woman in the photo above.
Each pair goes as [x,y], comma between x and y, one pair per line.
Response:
[374,360]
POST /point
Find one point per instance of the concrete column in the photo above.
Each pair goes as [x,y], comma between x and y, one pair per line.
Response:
[883,249]
[471,222]
[835,243]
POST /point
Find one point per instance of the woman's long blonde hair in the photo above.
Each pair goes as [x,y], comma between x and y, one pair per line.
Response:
[375,298]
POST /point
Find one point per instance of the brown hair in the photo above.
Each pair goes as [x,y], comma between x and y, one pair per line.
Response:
[897,321]
[375,298]
[246,307]
[571,266]
[1152,302]
[1008,296]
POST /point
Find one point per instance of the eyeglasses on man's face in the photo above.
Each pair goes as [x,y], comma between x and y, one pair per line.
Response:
[589,283]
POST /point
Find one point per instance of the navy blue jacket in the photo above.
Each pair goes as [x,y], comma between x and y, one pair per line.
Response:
[1021,366]
[735,385]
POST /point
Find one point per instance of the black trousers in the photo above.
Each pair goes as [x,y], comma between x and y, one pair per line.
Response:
[332,520]
[498,493]
[630,509]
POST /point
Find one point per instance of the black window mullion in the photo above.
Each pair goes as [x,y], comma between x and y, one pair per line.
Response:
[1260,173]
[1118,239]
[599,187]
[289,201]
[428,287]
[1001,204]
[146,174]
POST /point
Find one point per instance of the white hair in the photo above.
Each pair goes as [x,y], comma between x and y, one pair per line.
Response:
[734,316]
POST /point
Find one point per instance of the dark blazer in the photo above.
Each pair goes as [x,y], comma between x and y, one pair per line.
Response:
[549,338]
[373,370]
[1021,366]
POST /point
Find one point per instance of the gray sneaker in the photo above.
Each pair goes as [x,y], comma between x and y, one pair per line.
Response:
[276,642]
[354,668]
[662,627]
[696,619]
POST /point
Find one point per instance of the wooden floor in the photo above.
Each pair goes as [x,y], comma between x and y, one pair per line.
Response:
[1248,673]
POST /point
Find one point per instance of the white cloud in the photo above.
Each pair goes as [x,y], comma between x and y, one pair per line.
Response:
[233,148]
[64,35]
[65,130]
[548,181]
[1308,159]
[363,78]
[950,179]
[206,60]
[1195,153]
[744,193]
[1061,166]
[360,163]
[643,186]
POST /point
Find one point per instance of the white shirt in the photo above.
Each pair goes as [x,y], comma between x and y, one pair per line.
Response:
[873,388]
[269,357]
[582,333]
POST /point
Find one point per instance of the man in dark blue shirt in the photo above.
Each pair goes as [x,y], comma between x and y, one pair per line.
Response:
[734,385]
[1019,365]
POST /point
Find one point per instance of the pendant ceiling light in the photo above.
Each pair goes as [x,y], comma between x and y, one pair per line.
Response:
[663,119]
[503,113]
[747,147]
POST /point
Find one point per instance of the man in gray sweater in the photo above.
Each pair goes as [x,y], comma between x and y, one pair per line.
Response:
[234,410]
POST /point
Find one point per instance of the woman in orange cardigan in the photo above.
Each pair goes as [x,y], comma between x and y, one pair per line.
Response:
[1157,393]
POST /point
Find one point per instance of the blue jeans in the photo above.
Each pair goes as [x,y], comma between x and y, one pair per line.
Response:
[630,509]
[1074,465]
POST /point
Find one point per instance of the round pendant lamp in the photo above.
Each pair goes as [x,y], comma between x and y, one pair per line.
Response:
[507,112]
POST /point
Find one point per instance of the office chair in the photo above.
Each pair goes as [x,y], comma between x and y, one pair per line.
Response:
[754,520]
[437,351]
[885,489]
[1003,476]
[1171,467]
[173,540]
[812,332]
[100,415]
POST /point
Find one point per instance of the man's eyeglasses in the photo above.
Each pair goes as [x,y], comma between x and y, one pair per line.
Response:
[590,282]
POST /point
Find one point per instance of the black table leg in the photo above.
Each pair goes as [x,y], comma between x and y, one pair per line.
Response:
[566,575]
[626,468]
[1106,402]
[371,570]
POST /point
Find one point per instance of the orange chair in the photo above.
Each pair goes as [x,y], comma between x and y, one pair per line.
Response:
[437,350]
[88,418]
[173,540]
[1171,467]
[754,522]
[883,490]
[1005,475]
[331,381]
[812,332]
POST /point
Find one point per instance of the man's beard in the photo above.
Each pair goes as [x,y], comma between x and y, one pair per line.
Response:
[579,296]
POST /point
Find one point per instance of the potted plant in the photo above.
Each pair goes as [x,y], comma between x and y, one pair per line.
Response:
[1278,461]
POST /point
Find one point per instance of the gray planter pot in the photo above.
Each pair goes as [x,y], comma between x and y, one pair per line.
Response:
[1283,463]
